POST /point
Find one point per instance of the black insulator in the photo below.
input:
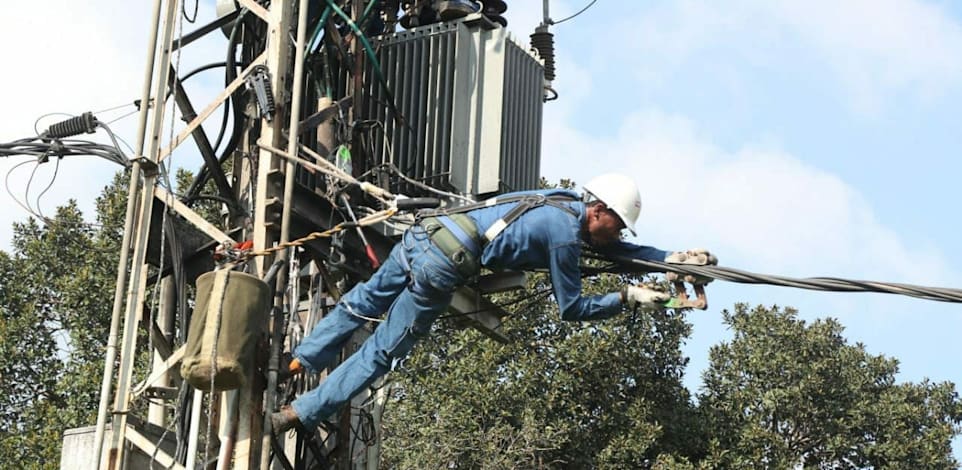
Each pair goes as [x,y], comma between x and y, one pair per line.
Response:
[86,122]
[543,41]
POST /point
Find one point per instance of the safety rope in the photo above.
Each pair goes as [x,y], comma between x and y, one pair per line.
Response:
[364,221]
[834,284]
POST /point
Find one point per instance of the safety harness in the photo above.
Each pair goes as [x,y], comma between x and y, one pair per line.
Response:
[459,238]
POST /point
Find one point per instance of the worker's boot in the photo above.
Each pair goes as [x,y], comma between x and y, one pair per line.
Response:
[284,419]
[454,9]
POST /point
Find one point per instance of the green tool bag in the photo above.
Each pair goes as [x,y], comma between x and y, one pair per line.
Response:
[466,262]
[229,317]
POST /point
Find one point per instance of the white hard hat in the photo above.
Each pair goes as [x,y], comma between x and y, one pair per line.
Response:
[620,194]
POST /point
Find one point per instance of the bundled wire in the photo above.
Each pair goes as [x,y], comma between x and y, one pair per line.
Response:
[55,142]
[834,284]
[44,148]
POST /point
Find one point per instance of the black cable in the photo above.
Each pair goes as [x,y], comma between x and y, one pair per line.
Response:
[534,298]
[834,284]
[230,73]
[183,10]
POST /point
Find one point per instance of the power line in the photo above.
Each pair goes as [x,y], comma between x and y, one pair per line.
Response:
[834,284]
[576,14]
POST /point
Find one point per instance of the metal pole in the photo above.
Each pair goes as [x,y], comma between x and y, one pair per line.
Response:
[167,308]
[137,286]
[132,192]
[290,169]
[192,436]
[228,430]
[263,232]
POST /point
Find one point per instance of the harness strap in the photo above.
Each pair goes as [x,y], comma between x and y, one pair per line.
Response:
[527,203]
[456,235]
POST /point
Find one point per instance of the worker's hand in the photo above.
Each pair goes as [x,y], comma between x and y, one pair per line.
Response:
[697,256]
[633,296]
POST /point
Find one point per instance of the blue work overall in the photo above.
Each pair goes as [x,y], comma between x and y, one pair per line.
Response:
[415,284]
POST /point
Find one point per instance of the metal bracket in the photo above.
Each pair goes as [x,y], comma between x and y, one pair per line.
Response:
[147,166]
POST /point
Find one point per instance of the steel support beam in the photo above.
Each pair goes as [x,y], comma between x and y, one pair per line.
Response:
[207,151]
[132,193]
[136,287]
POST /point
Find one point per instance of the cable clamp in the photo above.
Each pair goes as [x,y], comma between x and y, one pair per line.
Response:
[259,80]
[681,299]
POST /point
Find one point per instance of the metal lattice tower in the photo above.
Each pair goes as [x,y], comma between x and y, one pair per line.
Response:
[273,201]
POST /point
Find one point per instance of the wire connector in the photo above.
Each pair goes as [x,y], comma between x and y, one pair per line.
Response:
[260,81]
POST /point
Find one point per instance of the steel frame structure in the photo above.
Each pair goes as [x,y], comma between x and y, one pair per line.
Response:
[244,439]
[130,294]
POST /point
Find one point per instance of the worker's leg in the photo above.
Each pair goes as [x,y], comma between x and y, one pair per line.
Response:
[410,319]
[367,299]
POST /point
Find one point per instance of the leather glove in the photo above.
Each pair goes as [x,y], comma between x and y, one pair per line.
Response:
[633,296]
[697,256]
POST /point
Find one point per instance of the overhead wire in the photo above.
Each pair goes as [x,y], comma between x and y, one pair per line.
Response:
[834,284]
[113,108]
[53,178]
[576,14]
[19,203]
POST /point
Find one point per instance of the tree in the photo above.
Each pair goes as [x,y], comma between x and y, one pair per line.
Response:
[559,395]
[56,294]
[786,394]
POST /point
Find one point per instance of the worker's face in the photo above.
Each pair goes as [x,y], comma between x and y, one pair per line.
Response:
[604,226]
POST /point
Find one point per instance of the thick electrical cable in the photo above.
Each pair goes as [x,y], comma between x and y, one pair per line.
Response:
[190,18]
[230,74]
[834,284]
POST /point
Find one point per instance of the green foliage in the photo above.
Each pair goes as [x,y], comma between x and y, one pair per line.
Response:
[781,394]
[787,394]
[559,395]
[56,295]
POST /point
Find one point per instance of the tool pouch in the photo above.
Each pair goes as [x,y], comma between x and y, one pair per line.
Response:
[230,311]
[466,261]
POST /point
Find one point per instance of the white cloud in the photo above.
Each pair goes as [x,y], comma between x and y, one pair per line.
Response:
[761,208]
[877,50]
[879,47]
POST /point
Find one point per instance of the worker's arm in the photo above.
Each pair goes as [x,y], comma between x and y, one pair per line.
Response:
[697,256]
[630,250]
[566,281]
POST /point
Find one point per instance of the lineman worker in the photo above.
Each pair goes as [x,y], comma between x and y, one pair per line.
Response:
[518,231]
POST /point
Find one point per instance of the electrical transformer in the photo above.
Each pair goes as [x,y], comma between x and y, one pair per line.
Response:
[461,107]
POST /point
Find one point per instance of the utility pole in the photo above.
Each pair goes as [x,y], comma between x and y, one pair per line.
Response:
[279,120]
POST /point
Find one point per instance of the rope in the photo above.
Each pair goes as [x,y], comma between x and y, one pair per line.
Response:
[368,220]
[834,284]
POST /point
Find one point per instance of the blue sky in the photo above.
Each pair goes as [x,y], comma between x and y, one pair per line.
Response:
[802,138]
